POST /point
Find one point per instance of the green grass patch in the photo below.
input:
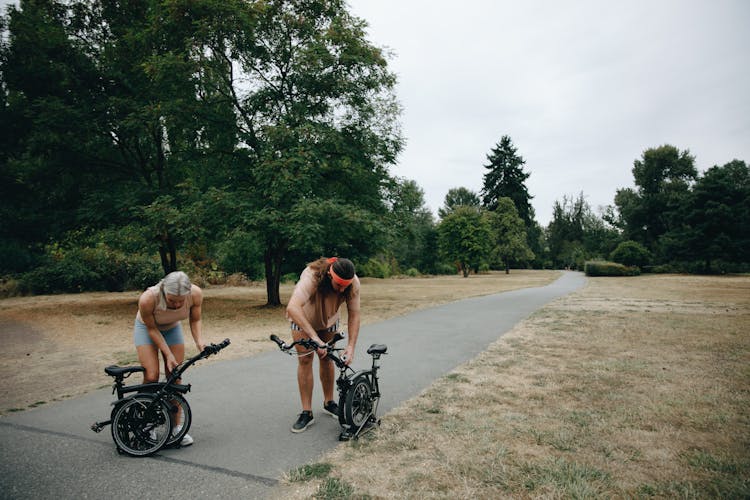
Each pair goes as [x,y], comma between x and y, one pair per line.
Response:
[567,479]
[334,489]
[310,471]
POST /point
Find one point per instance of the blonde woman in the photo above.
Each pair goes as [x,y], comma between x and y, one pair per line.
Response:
[158,328]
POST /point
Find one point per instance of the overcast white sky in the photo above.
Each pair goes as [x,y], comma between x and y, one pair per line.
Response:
[581,87]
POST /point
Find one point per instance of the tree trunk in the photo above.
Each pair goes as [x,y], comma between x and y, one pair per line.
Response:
[272,260]
[507,268]
[168,255]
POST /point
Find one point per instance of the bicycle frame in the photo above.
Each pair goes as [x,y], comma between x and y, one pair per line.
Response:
[159,392]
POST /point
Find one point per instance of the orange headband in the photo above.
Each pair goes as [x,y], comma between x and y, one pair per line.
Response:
[335,277]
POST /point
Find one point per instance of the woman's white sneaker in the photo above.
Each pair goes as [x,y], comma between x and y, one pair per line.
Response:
[186,440]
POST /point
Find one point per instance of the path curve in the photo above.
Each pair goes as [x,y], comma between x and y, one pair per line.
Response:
[242,411]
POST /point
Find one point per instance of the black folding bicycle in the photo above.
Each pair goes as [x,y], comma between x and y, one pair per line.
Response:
[157,414]
[359,391]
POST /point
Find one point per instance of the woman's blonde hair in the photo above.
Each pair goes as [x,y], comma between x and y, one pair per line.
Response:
[175,283]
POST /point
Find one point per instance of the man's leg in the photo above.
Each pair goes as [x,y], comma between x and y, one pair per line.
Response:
[305,381]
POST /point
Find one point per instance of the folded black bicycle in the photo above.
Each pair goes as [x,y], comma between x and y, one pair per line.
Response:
[156,414]
[359,391]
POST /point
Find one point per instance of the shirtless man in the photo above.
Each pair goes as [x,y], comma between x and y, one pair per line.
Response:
[313,311]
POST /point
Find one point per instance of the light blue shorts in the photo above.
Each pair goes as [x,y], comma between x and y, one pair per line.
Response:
[172,336]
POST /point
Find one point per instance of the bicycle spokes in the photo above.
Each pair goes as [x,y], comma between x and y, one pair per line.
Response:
[141,426]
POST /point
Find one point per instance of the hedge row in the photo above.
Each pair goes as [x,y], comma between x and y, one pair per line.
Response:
[605,268]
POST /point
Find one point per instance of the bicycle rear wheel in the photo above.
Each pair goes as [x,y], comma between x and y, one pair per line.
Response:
[181,416]
[141,425]
[359,402]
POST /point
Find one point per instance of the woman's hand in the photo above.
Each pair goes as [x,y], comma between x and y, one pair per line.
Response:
[171,362]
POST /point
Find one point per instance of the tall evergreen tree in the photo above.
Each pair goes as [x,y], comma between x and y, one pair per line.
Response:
[505,178]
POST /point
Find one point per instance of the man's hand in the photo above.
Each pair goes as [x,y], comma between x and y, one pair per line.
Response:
[322,351]
[348,355]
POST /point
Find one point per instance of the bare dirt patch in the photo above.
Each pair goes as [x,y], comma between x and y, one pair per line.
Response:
[57,346]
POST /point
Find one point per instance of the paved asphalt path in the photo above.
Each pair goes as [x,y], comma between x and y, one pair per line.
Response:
[242,412]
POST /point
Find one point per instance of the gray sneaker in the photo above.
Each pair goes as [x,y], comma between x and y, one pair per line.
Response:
[304,421]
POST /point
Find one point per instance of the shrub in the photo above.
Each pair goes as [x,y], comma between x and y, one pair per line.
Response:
[444,268]
[413,272]
[16,257]
[604,268]
[88,269]
[374,268]
[290,278]
[630,253]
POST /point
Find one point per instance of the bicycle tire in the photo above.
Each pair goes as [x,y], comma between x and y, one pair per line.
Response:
[181,423]
[140,427]
[342,404]
[358,404]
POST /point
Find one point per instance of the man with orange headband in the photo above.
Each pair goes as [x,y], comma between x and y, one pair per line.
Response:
[313,311]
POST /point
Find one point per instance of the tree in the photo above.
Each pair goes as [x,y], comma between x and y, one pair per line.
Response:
[411,227]
[132,111]
[576,233]
[465,237]
[458,197]
[317,121]
[663,177]
[716,213]
[510,234]
[505,178]
[111,110]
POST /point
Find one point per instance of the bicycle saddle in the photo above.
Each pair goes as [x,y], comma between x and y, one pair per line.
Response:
[377,349]
[119,371]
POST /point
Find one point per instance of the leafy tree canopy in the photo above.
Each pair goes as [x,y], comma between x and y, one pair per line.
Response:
[458,197]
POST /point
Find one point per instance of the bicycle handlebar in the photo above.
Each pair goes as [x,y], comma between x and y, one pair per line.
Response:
[214,348]
[207,351]
[308,343]
[312,345]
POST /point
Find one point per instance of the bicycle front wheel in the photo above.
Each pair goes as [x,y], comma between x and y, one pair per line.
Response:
[181,416]
[141,425]
[359,402]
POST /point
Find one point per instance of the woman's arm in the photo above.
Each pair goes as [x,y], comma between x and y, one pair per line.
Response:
[196,317]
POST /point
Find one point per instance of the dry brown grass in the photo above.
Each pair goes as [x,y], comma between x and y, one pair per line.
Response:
[55,347]
[629,388]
